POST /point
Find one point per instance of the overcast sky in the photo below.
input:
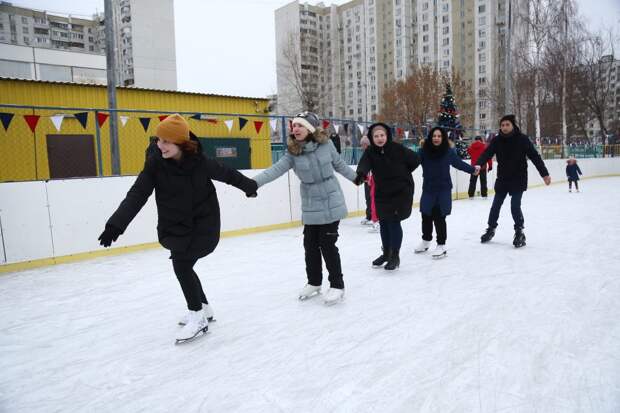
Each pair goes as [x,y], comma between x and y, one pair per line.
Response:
[228,46]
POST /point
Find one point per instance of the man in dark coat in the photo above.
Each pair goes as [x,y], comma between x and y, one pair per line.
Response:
[512,149]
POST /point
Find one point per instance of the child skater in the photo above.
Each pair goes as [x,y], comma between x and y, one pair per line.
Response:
[188,212]
[391,164]
[313,158]
[572,173]
[437,156]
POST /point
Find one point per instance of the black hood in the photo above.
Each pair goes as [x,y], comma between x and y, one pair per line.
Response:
[388,133]
[432,150]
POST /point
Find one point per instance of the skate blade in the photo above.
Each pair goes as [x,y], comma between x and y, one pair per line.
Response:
[438,257]
[210,319]
[334,302]
[307,297]
[199,334]
[419,251]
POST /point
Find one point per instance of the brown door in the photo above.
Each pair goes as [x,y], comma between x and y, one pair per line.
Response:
[71,156]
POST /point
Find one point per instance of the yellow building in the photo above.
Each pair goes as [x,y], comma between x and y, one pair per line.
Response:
[75,150]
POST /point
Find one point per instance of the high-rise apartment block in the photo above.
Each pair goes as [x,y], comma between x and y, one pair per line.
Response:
[349,54]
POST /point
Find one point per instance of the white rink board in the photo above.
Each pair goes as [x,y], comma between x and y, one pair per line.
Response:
[78,208]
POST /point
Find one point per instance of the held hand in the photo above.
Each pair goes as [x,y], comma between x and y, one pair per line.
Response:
[359,179]
[251,195]
[109,235]
[477,170]
[547,180]
[490,168]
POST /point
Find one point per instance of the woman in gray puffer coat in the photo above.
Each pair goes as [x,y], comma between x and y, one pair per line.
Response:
[313,158]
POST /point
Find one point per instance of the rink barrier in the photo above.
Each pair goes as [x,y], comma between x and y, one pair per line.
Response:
[55,222]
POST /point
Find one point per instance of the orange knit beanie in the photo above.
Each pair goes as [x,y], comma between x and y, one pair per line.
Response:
[173,129]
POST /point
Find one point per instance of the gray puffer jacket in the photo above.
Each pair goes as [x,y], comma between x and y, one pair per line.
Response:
[314,162]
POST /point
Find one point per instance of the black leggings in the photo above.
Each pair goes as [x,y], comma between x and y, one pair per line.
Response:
[190,283]
[440,226]
[391,234]
[570,186]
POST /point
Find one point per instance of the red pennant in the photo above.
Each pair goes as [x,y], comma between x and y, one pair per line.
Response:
[101,118]
[258,125]
[32,121]
[162,117]
[212,121]
[325,124]
[399,131]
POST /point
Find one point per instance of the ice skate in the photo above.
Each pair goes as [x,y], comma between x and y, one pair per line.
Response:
[519,239]
[334,295]
[208,314]
[488,235]
[381,259]
[440,252]
[196,326]
[309,291]
[422,247]
[393,261]
[375,227]
[366,222]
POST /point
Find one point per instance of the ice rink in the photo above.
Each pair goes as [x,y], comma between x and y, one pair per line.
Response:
[488,329]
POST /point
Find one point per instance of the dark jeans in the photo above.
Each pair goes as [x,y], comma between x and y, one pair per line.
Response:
[367,196]
[391,234]
[321,240]
[483,184]
[570,186]
[190,283]
[515,208]
[440,226]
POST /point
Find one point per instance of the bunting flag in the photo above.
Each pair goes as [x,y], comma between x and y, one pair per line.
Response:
[124,120]
[102,117]
[6,119]
[242,122]
[82,117]
[258,125]
[336,126]
[406,134]
[162,117]
[211,120]
[399,131]
[325,124]
[32,121]
[361,128]
[229,124]
[57,121]
[197,116]
[274,124]
[145,123]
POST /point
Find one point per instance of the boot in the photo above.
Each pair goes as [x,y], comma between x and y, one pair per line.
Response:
[383,258]
[422,247]
[309,291]
[440,252]
[334,295]
[393,260]
[519,239]
[488,235]
[196,324]
[208,313]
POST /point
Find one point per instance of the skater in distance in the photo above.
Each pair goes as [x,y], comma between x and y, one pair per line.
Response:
[188,212]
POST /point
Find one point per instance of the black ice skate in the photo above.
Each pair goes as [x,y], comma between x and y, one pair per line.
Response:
[382,259]
[519,239]
[393,261]
[488,235]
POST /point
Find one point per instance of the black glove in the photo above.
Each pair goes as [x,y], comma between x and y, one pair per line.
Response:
[251,189]
[109,235]
[359,179]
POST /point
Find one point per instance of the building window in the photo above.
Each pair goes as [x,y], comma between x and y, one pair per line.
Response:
[482,57]
[446,41]
[425,6]
[446,30]
[482,33]
[25,30]
[482,69]
[482,44]
[425,38]
[425,49]
[425,27]
[24,20]
[482,20]
[445,19]
[481,9]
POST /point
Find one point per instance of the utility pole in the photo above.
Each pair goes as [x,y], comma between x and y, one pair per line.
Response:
[564,126]
[508,70]
[110,51]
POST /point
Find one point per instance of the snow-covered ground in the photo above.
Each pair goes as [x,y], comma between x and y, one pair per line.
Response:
[488,329]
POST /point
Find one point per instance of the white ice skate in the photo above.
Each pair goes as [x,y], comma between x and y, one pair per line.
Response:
[309,291]
[208,313]
[366,222]
[440,252]
[375,227]
[334,295]
[196,326]
[422,247]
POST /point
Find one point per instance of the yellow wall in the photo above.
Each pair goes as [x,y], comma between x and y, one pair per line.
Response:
[23,159]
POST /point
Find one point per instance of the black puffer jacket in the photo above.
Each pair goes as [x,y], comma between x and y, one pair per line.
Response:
[391,166]
[512,152]
[187,205]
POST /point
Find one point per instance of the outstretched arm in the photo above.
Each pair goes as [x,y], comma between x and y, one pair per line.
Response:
[412,159]
[460,164]
[275,171]
[230,176]
[488,153]
[341,166]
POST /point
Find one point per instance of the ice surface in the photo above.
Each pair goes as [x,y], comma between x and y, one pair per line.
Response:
[488,329]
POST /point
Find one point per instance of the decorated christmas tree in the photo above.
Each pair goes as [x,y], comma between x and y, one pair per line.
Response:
[448,118]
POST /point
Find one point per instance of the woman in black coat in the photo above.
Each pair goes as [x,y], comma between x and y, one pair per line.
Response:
[187,209]
[391,165]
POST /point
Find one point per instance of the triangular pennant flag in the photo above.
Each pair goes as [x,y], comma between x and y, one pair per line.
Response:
[361,128]
[399,131]
[274,124]
[325,124]
[101,118]
[212,120]
[124,120]
[258,125]
[162,117]
[32,121]
[82,117]
[336,126]
[6,119]
[242,122]
[229,124]
[406,134]
[145,123]
[57,121]
[196,116]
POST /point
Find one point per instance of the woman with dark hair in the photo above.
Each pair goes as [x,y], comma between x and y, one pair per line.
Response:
[437,156]
[188,212]
[391,165]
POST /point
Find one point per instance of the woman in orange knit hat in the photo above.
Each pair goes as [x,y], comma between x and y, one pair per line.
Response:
[187,209]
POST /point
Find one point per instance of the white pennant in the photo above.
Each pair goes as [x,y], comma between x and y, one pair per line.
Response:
[406,134]
[124,120]
[229,124]
[361,128]
[336,126]
[274,124]
[57,121]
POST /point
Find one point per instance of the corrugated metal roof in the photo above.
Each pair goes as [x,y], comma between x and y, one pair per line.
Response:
[133,88]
